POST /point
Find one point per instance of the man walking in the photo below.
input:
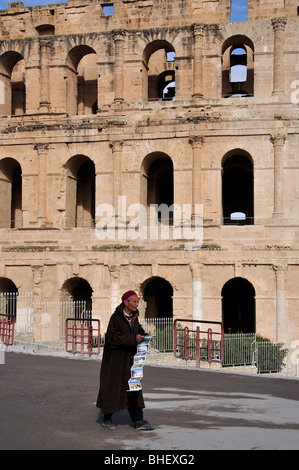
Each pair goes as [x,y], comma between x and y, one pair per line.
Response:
[124,332]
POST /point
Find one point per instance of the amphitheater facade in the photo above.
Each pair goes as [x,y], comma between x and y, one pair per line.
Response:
[155,102]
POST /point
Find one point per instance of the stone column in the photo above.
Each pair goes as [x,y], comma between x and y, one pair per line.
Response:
[42,152]
[278,144]
[196,269]
[196,143]
[278,25]
[114,272]
[198,33]
[44,106]
[37,273]
[119,37]
[117,172]
[281,306]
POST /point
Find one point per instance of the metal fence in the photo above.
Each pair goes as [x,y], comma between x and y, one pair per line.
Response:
[247,349]
[270,357]
[239,349]
[46,321]
[162,329]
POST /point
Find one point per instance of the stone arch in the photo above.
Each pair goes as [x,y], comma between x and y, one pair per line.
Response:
[80,192]
[157,293]
[81,80]
[79,291]
[8,298]
[13,85]
[237,188]
[237,51]
[157,185]
[238,306]
[11,193]
[159,70]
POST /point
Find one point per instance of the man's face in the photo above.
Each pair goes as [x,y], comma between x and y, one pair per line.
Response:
[132,303]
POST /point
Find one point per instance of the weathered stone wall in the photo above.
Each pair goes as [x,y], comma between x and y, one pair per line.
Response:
[84,89]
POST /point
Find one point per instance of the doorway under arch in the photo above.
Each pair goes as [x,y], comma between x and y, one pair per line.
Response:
[8,298]
[158,295]
[80,292]
[238,306]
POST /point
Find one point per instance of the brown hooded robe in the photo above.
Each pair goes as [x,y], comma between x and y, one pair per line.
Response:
[120,347]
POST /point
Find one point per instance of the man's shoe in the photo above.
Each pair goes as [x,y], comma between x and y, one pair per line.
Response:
[143,426]
[107,424]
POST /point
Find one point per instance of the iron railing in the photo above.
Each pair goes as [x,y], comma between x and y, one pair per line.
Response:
[19,313]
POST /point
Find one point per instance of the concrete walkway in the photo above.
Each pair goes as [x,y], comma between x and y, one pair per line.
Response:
[49,403]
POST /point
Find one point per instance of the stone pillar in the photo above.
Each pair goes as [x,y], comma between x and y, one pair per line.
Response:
[44,106]
[278,144]
[114,271]
[281,305]
[37,273]
[117,172]
[196,269]
[278,25]
[119,37]
[42,152]
[198,33]
[196,143]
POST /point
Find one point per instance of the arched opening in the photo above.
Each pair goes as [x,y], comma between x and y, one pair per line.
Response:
[158,295]
[11,193]
[237,67]
[159,71]
[45,30]
[81,81]
[79,292]
[237,189]
[159,185]
[12,84]
[238,306]
[80,192]
[8,298]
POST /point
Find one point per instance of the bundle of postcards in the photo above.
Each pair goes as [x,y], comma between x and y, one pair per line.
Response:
[139,361]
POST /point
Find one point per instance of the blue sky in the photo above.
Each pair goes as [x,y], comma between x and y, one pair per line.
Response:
[30,3]
[239,7]
[239,10]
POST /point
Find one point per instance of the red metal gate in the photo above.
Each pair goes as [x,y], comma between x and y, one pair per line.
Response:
[7,330]
[82,336]
[193,342]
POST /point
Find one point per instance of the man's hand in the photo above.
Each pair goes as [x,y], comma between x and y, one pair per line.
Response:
[139,338]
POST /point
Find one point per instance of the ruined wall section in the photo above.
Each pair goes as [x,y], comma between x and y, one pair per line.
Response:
[84,16]
[262,9]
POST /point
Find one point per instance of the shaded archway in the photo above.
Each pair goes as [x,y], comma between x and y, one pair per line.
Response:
[237,188]
[80,192]
[12,83]
[158,295]
[238,67]
[8,298]
[81,81]
[238,306]
[159,70]
[11,193]
[157,188]
[80,292]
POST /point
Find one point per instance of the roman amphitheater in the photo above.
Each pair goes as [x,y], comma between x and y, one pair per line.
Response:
[158,103]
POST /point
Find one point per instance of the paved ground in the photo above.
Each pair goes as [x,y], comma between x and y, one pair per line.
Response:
[49,403]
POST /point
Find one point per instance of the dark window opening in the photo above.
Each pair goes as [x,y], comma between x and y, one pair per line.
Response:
[238,306]
[237,191]
[108,10]
[160,188]
[159,62]
[158,295]
[11,194]
[80,192]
